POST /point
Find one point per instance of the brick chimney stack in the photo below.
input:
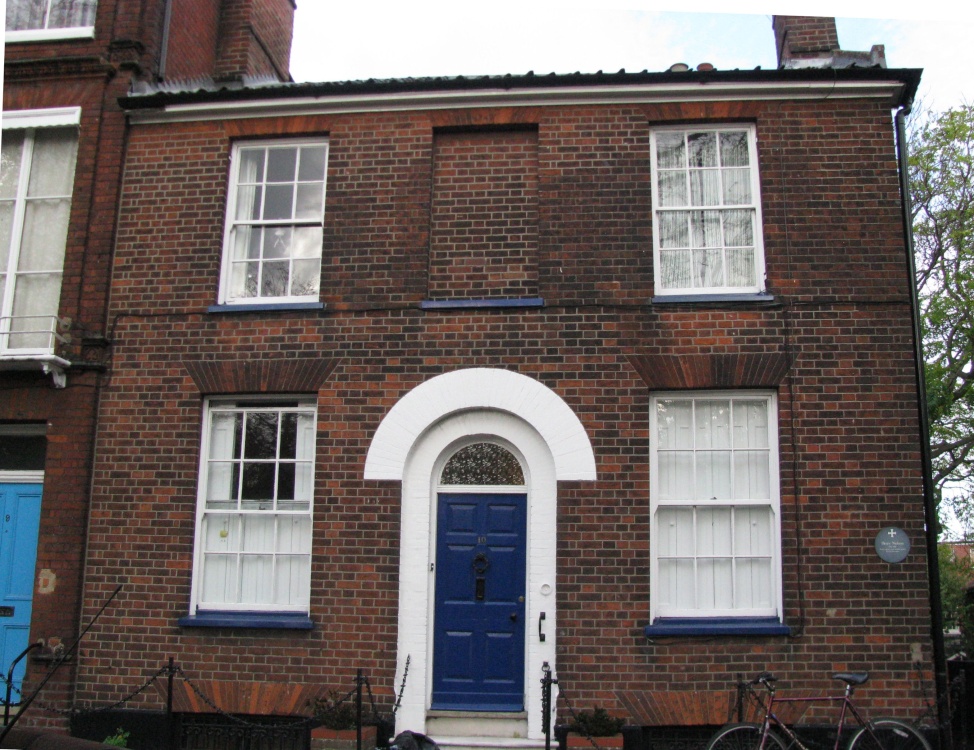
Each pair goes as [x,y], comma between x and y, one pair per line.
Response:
[804,37]
[228,40]
[813,42]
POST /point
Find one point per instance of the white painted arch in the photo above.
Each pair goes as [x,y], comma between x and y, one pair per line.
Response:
[413,443]
[481,388]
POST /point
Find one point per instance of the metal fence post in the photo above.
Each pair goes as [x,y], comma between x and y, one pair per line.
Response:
[169,719]
[358,709]
[546,682]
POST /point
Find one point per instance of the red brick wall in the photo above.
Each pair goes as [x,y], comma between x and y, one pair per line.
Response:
[484,225]
[847,422]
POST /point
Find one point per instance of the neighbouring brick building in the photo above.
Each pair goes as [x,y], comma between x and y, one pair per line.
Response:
[452,379]
[66,65]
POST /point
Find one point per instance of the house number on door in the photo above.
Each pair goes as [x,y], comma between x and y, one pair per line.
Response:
[481,540]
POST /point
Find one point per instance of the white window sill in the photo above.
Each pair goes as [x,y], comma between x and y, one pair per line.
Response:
[50,364]
[49,35]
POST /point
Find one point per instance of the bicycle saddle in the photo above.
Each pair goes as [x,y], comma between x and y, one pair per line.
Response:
[851,678]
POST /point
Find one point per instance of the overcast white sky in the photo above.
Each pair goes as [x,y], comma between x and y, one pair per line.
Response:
[338,41]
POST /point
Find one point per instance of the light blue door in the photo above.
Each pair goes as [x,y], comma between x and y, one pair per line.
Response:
[478,640]
[20,506]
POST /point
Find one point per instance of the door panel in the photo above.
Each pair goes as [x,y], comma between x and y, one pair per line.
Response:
[20,514]
[478,640]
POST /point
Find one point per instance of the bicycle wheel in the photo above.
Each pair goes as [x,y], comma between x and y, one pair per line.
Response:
[888,734]
[743,737]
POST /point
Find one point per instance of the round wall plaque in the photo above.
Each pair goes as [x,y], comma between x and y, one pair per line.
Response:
[892,544]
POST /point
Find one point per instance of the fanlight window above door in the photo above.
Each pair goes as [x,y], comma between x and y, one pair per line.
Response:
[483,464]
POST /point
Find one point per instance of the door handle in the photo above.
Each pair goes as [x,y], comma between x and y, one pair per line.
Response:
[541,619]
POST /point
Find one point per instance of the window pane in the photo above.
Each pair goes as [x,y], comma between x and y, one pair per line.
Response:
[26,14]
[752,532]
[277,242]
[278,202]
[256,579]
[672,188]
[738,228]
[702,149]
[219,579]
[674,424]
[737,187]
[675,532]
[6,224]
[712,424]
[274,279]
[483,464]
[306,243]
[257,533]
[249,201]
[261,440]
[740,267]
[35,305]
[676,588]
[705,226]
[670,151]
[312,167]
[673,228]
[751,424]
[10,156]
[708,268]
[258,486]
[281,164]
[752,584]
[676,478]
[677,270]
[45,233]
[734,149]
[309,205]
[22,452]
[52,164]
[251,165]
[705,187]
[69,13]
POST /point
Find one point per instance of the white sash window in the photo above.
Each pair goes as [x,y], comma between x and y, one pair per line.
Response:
[36,181]
[715,505]
[253,542]
[41,20]
[275,220]
[706,211]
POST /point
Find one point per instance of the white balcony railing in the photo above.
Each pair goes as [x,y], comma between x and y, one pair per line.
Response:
[31,342]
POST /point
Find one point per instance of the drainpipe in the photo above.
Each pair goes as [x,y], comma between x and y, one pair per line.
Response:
[929,501]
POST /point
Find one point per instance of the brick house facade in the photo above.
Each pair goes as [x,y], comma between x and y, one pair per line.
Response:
[65,67]
[624,361]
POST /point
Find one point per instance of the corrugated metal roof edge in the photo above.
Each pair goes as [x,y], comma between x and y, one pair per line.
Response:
[909,77]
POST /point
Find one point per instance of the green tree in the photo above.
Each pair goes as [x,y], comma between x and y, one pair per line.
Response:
[942,193]
[956,574]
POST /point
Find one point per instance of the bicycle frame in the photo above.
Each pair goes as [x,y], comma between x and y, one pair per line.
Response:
[771,719]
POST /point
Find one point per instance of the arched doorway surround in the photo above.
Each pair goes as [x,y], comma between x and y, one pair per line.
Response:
[413,443]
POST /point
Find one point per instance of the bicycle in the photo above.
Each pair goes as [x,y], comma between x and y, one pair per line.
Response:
[774,734]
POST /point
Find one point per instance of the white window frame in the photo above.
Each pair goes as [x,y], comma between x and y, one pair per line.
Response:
[225,405]
[49,34]
[754,206]
[231,223]
[30,121]
[773,504]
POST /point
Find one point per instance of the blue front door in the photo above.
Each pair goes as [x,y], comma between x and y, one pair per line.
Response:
[478,639]
[20,506]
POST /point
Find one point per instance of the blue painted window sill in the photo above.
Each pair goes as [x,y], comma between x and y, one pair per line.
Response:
[462,304]
[266,307]
[703,626]
[684,299]
[275,620]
